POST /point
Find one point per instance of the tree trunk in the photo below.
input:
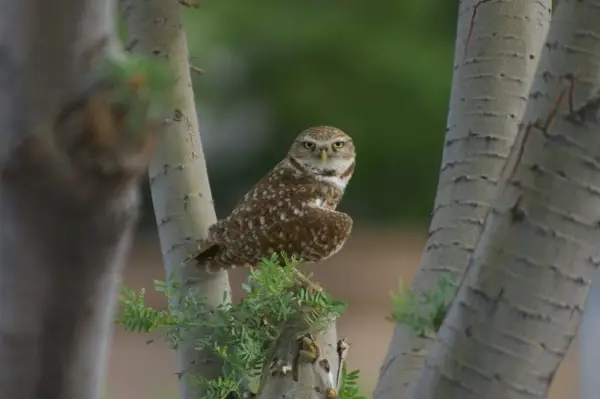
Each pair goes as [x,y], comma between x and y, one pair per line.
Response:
[178,176]
[68,197]
[522,298]
[308,378]
[589,362]
[496,54]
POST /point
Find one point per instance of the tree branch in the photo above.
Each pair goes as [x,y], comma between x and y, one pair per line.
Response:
[306,360]
[522,299]
[69,179]
[492,76]
[302,366]
[178,176]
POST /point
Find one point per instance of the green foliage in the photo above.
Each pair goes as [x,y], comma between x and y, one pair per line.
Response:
[424,313]
[239,334]
[137,316]
[349,385]
[142,84]
[381,73]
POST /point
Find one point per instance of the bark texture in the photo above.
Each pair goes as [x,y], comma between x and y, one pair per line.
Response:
[496,53]
[299,370]
[178,177]
[589,331]
[522,299]
[69,177]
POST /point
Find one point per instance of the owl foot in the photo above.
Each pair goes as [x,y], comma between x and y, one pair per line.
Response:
[304,282]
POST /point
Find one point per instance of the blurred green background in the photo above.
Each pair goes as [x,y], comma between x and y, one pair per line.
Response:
[380,72]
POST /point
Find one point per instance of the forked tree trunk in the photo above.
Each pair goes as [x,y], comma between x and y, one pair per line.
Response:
[523,296]
[178,176]
[496,54]
[69,177]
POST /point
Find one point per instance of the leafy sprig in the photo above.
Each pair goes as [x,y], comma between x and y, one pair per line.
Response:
[239,334]
[423,313]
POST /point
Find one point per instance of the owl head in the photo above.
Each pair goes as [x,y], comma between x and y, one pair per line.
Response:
[324,150]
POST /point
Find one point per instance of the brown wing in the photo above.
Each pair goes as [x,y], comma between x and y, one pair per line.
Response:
[309,233]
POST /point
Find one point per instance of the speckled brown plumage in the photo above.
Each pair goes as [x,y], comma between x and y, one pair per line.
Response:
[291,209]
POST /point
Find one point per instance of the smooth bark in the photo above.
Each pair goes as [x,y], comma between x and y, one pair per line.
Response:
[68,198]
[178,177]
[589,361]
[496,53]
[288,375]
[522,299]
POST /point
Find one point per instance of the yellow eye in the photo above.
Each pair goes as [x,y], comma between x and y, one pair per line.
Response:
[309,145]
[338,144]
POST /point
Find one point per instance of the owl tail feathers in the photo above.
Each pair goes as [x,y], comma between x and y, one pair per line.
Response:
[205,257]
[207,254]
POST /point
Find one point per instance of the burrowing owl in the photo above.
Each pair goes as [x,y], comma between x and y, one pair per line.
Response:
[291,209]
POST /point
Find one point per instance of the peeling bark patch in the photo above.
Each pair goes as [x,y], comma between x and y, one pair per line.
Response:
[587,113]
[553,111]
[517,214]
[520,152]
[177,115]
[490,302]
[527,314]
[472,23]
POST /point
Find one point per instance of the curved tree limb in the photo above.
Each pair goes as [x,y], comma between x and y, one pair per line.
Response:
[69,179]
[522,299]
[496,53]
[178,177]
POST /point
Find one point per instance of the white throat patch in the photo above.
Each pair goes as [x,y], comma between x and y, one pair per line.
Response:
[335,180]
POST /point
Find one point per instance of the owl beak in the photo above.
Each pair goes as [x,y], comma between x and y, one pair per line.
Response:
[323,155]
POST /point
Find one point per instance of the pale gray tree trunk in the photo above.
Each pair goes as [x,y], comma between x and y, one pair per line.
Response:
[65,218]
[290,376]
[178,177]
[589,353]
[496,53]
[523,295]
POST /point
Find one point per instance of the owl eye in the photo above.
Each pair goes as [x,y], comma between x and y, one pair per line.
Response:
[338,144]
[309,145]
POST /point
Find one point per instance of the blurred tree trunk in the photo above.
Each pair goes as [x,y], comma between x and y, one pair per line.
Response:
[178,177]
[69,182]
[496,54]
[589,361]
[522,298]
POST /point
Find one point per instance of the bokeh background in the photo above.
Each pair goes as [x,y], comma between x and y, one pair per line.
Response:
[272,68]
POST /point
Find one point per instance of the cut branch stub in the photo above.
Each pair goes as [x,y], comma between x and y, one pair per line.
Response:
[303,366]
[302,363]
